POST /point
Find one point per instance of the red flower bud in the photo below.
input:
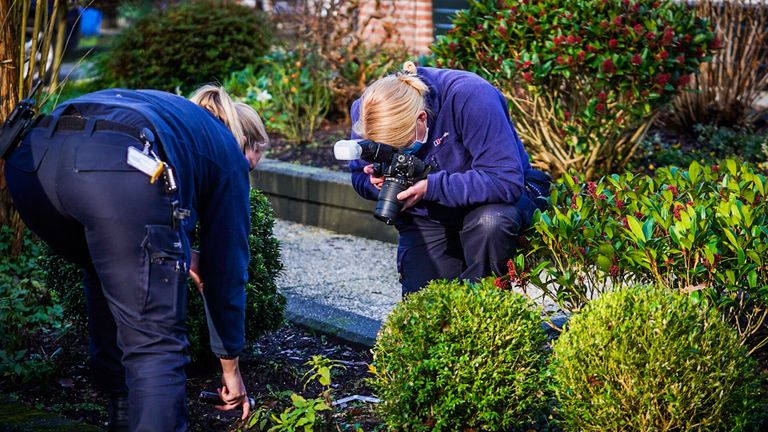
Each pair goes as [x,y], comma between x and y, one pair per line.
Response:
[604,24]
[683,80]
[531,20]
[591,49]
[567,116]
[638,28]
[608,66]
[617,20]
[637,60]
[602,96]
[581,55]
[663,55]
[663,79]
[527,77]
[613,43]
[600,108]
[680,59]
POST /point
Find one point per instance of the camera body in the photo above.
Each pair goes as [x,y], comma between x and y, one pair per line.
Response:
[400,171]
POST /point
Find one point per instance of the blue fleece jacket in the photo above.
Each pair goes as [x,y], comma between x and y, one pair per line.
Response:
[472,144]
[212,177]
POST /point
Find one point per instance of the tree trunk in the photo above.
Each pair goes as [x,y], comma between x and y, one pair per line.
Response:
[10,19]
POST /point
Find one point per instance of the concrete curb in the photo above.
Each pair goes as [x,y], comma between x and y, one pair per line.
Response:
[319,197]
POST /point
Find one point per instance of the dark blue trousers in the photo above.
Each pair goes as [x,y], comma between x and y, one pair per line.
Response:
[477,245]
[75,191]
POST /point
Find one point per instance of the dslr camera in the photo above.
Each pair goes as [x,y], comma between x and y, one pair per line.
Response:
[400,171]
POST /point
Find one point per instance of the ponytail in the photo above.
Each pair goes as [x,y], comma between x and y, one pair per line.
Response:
[220,104]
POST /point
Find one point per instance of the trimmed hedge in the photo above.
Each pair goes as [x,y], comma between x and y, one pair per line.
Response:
[646,359]
[461,357]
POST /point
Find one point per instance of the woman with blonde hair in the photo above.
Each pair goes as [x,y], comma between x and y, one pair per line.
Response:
[116,181]
[463,220]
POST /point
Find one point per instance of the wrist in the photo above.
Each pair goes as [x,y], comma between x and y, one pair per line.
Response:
[229,366]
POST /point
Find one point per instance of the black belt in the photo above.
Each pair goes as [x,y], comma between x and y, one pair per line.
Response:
[75,123]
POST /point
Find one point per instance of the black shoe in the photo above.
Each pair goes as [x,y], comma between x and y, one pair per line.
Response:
[118,413]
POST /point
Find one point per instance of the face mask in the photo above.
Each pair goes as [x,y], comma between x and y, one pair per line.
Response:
[413,148]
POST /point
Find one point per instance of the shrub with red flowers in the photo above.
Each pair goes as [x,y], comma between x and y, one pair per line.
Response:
[703,231]
[584,78]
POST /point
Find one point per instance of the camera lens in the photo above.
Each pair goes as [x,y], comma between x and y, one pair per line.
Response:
[388,206]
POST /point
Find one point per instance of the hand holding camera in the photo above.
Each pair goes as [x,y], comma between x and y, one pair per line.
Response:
[398,170]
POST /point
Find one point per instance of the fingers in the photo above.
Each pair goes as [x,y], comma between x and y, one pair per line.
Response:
[232,401]
[246,408]
[368,169]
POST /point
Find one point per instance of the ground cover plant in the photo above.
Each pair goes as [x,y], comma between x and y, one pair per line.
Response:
[584,78]
[645,359]
[458,356]
[31,317]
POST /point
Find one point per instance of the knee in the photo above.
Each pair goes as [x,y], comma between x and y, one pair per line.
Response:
[495,220]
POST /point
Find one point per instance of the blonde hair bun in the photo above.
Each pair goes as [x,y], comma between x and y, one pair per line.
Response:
[409,67]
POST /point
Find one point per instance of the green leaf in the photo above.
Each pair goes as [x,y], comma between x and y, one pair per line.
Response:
[604,263]
[694,170]
[752,279]
[637,230]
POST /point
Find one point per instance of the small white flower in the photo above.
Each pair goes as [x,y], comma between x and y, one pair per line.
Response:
[263,96]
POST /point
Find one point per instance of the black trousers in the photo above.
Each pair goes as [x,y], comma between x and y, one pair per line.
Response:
[478,245]
[76,191]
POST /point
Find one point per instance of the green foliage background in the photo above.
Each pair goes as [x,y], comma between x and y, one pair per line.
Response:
[187,45]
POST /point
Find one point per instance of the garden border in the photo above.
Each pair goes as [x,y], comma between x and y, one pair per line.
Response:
[318,197]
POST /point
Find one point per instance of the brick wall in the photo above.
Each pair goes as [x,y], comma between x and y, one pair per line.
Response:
[411,18]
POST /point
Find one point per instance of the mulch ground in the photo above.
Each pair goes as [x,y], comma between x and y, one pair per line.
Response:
[274,370]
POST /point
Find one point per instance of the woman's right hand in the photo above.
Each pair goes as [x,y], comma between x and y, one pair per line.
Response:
[375,181]
[232,391]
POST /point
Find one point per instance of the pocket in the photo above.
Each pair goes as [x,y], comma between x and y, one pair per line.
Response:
[98,156]
[164,270]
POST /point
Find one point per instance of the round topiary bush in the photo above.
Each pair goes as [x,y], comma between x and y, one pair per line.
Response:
[461,357]
[647,359]
[186,45]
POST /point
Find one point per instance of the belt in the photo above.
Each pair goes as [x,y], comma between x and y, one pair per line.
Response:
[76,123]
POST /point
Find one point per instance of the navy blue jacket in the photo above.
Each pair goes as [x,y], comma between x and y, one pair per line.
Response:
[472,144]
[212,176]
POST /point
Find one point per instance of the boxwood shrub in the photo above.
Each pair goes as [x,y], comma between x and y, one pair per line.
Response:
[461,357]
[647,359]
[186,45]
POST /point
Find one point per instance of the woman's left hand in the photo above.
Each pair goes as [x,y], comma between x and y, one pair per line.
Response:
[413,194]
